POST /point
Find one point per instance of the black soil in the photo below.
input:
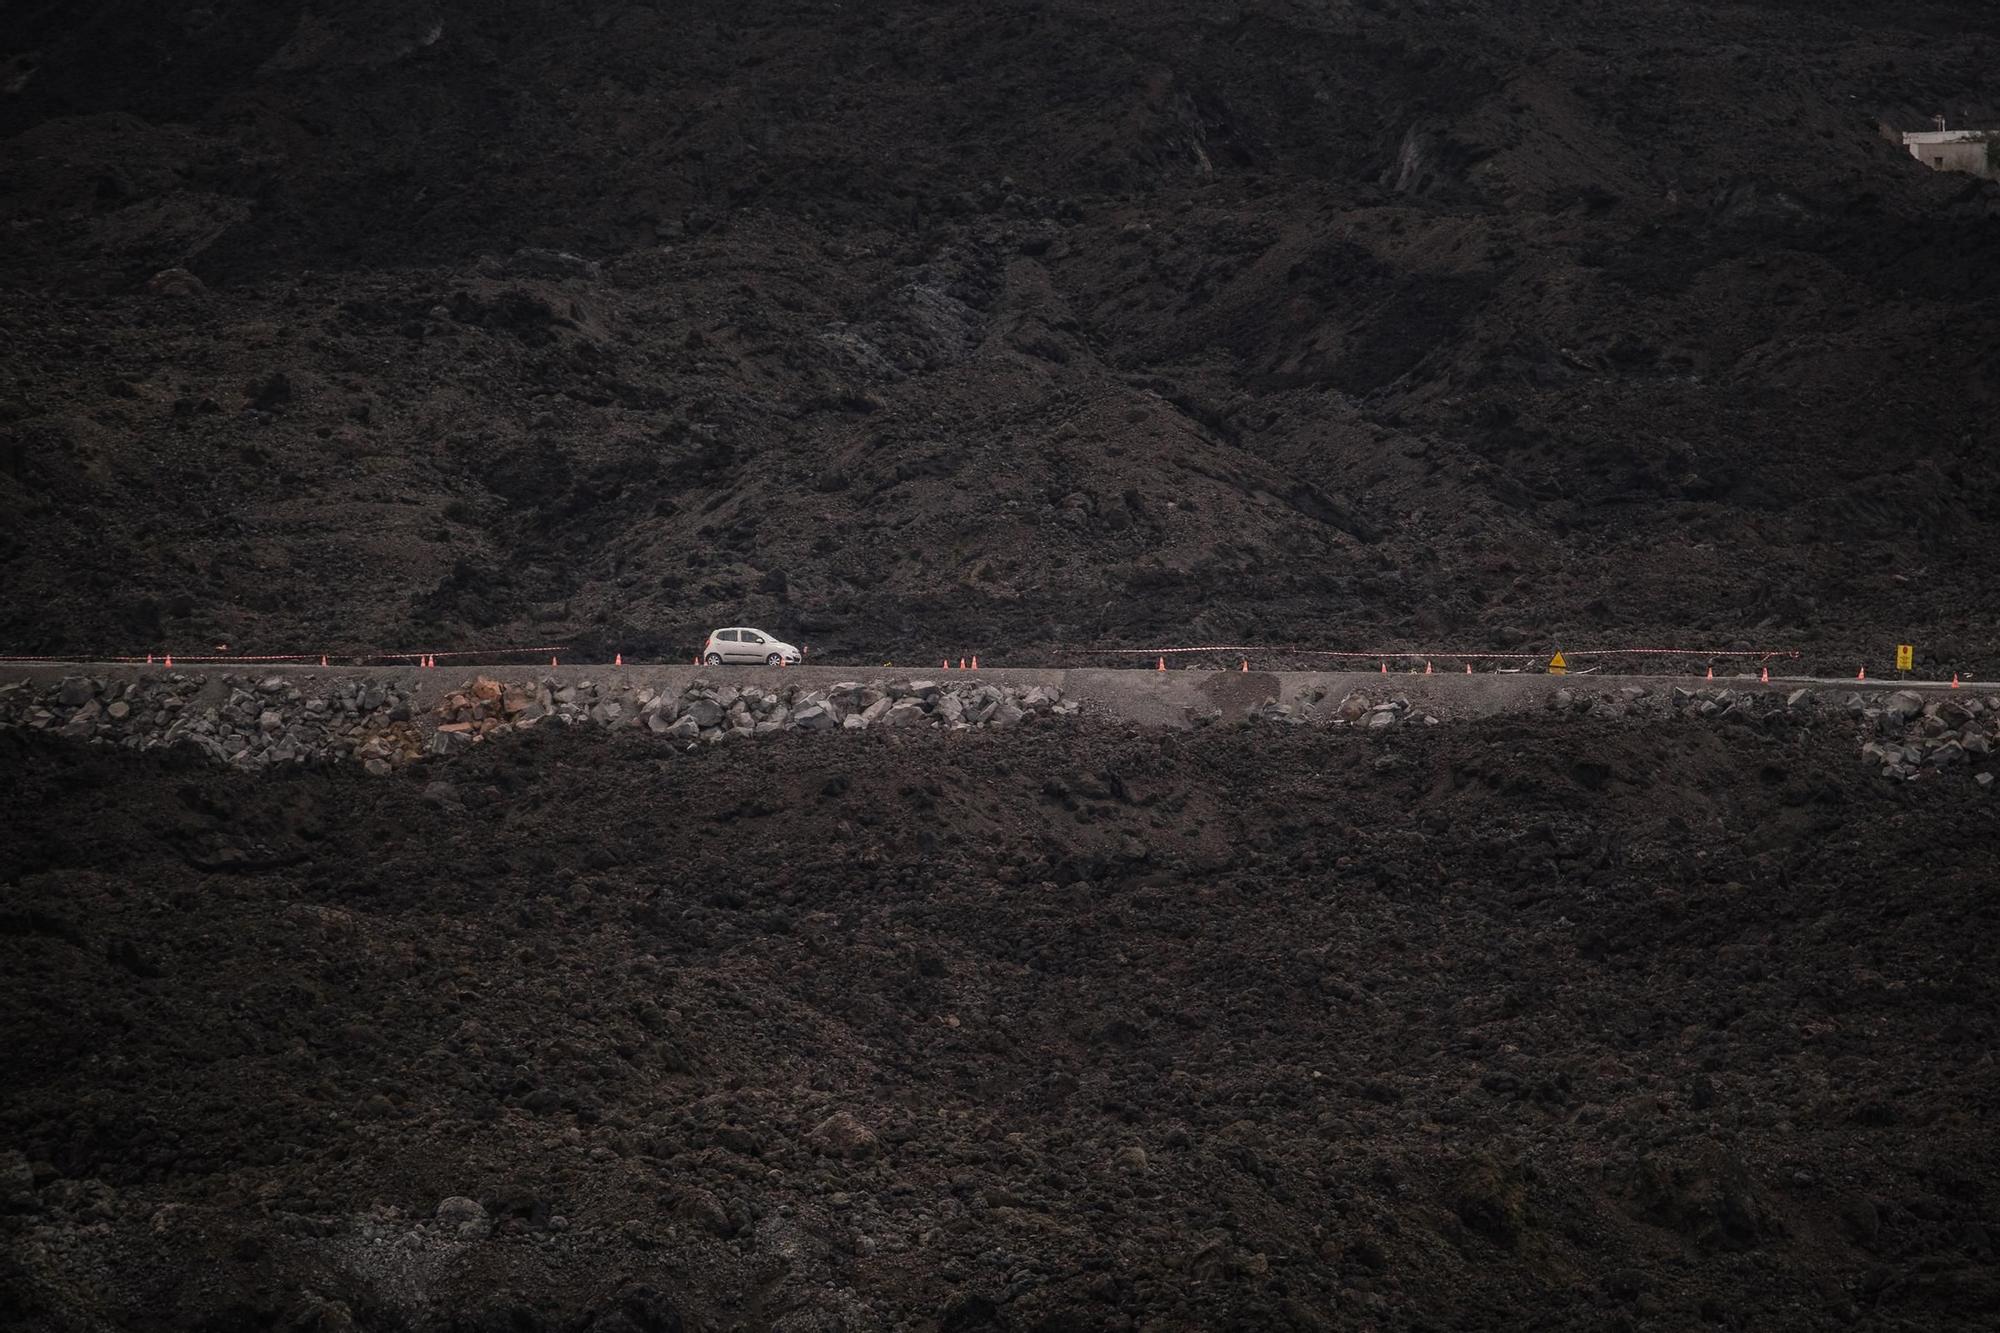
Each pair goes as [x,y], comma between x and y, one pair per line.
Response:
[1016,328]
[1525,1023]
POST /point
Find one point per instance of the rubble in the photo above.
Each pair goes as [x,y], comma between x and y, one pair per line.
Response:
[246,722]
[259,723]
[709,712]
[1905,735]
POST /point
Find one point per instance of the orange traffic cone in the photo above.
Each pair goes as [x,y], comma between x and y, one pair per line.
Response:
[1954,680]
[552,661]
[1385,668]
[617,659]
[946,664]
[1766,676]
[975,661]
[1427,668]
[1468,668]
[149,659]
[170,661]
[1162,666]
[1861,674]
[1245,666]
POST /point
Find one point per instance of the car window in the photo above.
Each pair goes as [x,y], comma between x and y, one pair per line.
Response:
[752,636]
[727,636]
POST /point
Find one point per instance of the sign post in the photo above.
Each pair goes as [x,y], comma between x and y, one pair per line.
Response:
[1558,667]
[1906,654]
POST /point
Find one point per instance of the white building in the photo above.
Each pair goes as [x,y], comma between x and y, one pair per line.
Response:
[1976,152]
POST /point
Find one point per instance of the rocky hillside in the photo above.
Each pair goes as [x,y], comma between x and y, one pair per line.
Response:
[1531,1022]
[1028,326]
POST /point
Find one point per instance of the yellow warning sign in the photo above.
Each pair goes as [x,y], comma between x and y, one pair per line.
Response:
[1556,664]
[1905,656]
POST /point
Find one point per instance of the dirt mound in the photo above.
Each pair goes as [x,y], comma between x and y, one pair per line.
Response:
[1360,326]
[1526,1023]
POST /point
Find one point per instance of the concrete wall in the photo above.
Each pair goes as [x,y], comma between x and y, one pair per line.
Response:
[1951,153]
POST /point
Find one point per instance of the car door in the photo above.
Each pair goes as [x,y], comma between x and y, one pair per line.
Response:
[755,646]
[726,646]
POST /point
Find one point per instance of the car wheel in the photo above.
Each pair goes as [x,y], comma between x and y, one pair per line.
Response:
[774,659]
[715,659]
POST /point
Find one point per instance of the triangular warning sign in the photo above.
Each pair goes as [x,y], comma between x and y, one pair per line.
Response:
[1556,664]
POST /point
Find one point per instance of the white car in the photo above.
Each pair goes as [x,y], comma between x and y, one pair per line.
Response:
[742,645]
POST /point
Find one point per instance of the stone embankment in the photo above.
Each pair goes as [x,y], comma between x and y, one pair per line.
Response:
[260,722]
[1905,734]
[257,721]
[710,712]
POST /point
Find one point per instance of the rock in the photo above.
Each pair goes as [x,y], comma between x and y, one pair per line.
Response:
[1380,718]
[1352,707]
[841,1135]
[1903,705]
[441,794]
[452,738]
[174,282]
[1006,715]
[704,712]
[74,691]
[814,717]
[1131,1159]
[458,1210]
[17,1183]
[684,729]
[1793,699]
[270,723]
[119,711]
[1984,779]
[904,713]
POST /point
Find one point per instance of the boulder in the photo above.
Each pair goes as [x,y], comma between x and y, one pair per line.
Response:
[814,717]
[842,1135]
[905,713]
[1903,705]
